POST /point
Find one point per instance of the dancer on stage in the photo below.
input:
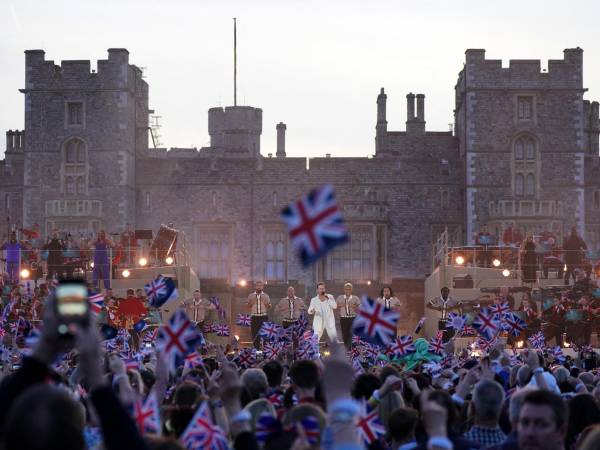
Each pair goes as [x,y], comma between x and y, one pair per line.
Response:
[322,307]
[258,304]
[347,305]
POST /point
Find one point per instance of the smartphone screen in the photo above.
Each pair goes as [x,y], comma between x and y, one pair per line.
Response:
[72,299]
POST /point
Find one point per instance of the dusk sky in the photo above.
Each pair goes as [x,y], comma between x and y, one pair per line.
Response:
[315,65]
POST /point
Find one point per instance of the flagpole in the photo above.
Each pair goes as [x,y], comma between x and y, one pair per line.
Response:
[234,61]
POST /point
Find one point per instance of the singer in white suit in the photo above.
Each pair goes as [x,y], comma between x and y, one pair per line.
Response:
[322,307]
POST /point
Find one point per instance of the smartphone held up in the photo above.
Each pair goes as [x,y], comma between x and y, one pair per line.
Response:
[72,306]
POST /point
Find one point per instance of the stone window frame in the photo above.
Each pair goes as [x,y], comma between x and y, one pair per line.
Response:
[68,123]
[525,166]
[532,97]
[278,236]
[444,198]
[346,255]
[75,172]
[596,200]
[220,234]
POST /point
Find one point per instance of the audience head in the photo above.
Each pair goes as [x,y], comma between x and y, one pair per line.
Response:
[542,421]
[401,425]
[256,382]
[488,398]
[274,372]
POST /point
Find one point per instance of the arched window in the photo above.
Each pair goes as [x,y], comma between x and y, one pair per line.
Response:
[596,199]
[275,200]
[526,163]
[75,168]
[519,184]
[214,199]
[530,185]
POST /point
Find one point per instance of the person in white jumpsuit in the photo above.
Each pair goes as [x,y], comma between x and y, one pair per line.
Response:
[322,307]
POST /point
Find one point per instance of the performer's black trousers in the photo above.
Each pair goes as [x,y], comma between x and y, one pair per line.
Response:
[346,326]
[448,332]
[256,322]
[288,322]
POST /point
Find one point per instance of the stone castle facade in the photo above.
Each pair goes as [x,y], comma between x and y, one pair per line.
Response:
[524,150]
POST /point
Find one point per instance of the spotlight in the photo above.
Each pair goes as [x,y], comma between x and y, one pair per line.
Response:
[169,260]
[92,264]
[506,273]
[520,344]
[567,344]
[326,353]
[369,283]
[243,283]
[142,262]
[25,273]
[126,273]
[237,338]
[496,262]
[459,260]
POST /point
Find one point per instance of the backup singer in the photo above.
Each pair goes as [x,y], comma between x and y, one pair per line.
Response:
[258,304]
[289,308]
[197,307]
[444,304]
[347,305]
[322,307]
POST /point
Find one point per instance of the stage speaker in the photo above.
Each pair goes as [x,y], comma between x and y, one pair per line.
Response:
[143,234]
[462,281]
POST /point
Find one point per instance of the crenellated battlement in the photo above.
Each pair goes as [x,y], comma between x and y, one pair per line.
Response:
[566,73]
[235,128]
[112,73]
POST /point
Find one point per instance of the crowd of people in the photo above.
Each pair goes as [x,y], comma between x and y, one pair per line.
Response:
[99,391]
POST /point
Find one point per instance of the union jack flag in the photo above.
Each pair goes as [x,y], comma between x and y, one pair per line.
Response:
[272,350]
[209,328]
[557,354]
[356,340]
[201,433]
[193,360]
[432,368]
[267,425]
[269,330]
[307,350]
[222,329]
[177,338]
[436,345]
[245,358]
[276,399]
[357,367]
[370,351]
[537,340]
[96,303]
[456,321]
[374,323]
[301,324]
[147,414]
[500,309]
[403,346]
[486,323]
[218,307]
[160,291]
[315,224]
[243,320]
[420,325]
[151,335]
[513,324]
[132,364]
[311,429]
[369,427]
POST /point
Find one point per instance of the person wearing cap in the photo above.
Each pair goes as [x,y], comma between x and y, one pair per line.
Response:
[347,305]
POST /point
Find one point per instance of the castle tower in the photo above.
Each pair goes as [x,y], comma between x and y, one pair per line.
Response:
[82,132]
[381,127]
[235,129]
[522,143]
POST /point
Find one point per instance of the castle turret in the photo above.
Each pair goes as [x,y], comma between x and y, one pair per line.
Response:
[235,128]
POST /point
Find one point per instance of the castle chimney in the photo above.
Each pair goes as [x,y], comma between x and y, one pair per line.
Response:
[281,127]
[410,107]
[415,124]
[9,140]
[381,127]
[421,107]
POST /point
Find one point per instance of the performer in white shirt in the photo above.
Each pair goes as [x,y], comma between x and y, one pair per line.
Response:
[322,307]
